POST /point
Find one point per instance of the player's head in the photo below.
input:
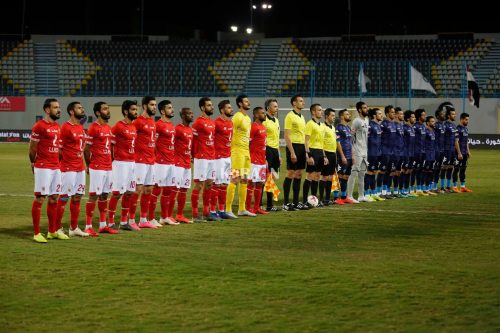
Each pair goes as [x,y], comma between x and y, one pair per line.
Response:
[450,112]
[187,115]
[271,106]
[75,109]
[206,106]
[259,114]
[166,108]
[149,105]
[430,121]
[410,117]
[420,115]
[225,108]
[375,114]
[101,110]
[464,119]
[400,116]
[362,108]
[440,112]
[316,111]
[130,109]
[297,102]
[345,115]
[52,108]
[330,116]
[243,102]
[389,111]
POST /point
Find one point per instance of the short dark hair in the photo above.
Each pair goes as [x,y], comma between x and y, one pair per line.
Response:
[294,98]
[71,106]
[97,107]
[388,108]
[127,104]
[408,114]
[202,101]
[256,110]
[48,101]
[373,112]
[464,115]
[163,103]
[147,99]
[311,108]
[239,99]
[223,103]
[418,113]
[428,118]
[328,111]
[341,112]
[359,105]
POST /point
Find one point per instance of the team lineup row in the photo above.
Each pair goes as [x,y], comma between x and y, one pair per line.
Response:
[141,158]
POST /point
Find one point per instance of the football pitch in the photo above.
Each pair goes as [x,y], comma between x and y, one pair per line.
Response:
[428,264]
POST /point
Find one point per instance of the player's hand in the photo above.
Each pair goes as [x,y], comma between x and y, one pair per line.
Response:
[460,157]
[325,160]
[344,161]
[293,157]
[310,161]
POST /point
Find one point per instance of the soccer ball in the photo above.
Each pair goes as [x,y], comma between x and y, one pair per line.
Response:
[312,200]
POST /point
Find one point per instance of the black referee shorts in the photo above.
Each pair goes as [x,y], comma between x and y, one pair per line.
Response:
[319,160]
[273,158]
[329,170]
[300,152]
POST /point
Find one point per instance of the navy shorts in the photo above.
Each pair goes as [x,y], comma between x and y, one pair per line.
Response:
[374,163]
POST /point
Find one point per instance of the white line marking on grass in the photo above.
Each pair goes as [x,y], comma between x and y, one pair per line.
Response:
[420,211]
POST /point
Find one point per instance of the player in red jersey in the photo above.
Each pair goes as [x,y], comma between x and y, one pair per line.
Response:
[164,164]
[44,157]
[72,168]
[97,155]
[182,171]
[123,143]
[204,161]
[144,162]
[223,138]
[258,165]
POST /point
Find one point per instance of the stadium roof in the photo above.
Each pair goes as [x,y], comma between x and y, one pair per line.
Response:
[312,18]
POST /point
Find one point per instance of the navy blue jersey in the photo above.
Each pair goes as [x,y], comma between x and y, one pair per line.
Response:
[409,140]
[344,137]
[389,137]
[439,132]
[419,138]
[399,144]
[463,138]
[430,145]
[450,135]
[374,139]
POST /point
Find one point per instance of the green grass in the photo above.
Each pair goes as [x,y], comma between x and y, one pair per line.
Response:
[423,265]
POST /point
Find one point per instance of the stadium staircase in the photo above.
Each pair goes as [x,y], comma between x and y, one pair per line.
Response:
[488,64]
[46,75]
[262,67]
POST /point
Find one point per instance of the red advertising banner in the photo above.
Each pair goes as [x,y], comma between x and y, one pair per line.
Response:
[12,103]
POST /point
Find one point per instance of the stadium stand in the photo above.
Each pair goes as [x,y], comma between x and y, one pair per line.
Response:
[17,67]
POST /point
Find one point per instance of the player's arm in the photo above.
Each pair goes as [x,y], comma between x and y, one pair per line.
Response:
[86,155]
[341,154]
[457,148]
[32,154]
[288,142]
[309,158]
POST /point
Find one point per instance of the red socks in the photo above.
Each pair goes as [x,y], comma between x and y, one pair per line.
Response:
[195,198]
[35,215]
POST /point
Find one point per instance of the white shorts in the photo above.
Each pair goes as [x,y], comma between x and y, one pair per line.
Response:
[123,177]
[144,174]
[204,169]
[47,181]
[223,170]
[258,173]
[73,182]
[101,181]
[164,174]
[182,177]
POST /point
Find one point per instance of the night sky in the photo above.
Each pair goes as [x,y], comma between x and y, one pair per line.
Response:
[310,18]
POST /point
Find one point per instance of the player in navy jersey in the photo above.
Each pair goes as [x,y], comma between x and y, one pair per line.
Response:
[439,132]
[399,153]
[344,151]
[430,155]
[463,143]
[374,153]
[451,148]
[419,155]
[409,158]
[389,137]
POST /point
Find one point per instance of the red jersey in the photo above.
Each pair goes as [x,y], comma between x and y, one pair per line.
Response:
[203,132]
[99,139]
[123,141]
[165,141]
[146,137]
[48,136]
[258,138]
[72,143]
[183,142]
[223,137]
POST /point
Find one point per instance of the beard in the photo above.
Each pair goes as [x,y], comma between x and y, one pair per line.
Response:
[80,116]
[131,117]
[169,116]
[209,113]
[150,113]
[55,116]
